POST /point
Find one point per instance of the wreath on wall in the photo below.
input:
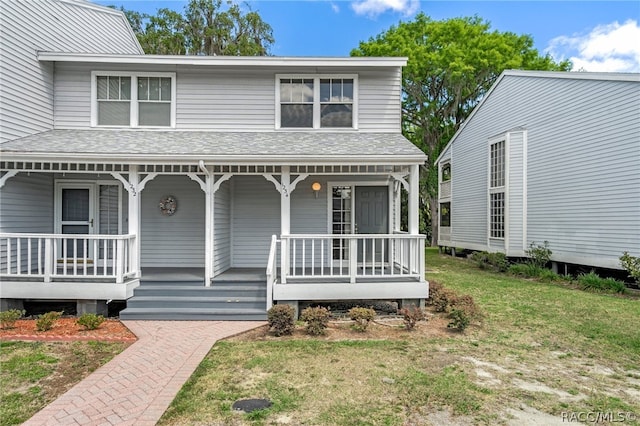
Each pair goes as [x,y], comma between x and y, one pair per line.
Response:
[168,205]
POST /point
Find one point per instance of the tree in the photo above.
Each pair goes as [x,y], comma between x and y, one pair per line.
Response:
[451,65]
[205,28]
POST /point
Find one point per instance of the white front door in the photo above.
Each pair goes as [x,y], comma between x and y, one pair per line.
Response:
[75,214]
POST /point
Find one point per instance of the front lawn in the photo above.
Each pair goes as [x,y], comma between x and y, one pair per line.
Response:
[544,352]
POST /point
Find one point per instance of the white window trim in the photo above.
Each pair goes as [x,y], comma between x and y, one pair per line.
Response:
[316,101]
[503,189]
[353,184]
[134,97]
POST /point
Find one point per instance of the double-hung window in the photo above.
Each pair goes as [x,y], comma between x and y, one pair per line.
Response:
[133,99]
[497,183]
[316,102]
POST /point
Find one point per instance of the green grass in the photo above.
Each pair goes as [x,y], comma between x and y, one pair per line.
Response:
[536,338]
[32,374]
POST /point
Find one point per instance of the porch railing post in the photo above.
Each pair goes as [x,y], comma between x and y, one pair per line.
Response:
[48,260]
[353,259]
[284,259]
[119,261]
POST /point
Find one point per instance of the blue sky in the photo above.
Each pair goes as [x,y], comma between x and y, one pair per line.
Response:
[595,35]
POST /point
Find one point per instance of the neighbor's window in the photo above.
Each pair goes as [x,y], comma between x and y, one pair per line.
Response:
[446,172]
[133,100]
[445,214]
[315,102]
[497,189]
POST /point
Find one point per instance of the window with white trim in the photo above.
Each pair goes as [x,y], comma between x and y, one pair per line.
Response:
[497,189]
[127,99]
[316,102]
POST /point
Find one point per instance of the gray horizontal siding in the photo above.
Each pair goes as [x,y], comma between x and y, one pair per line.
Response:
[178,240]
[26,27]
[583,181]
[256,217]
[226,100]
[222,229]
[26,204]
[515,195]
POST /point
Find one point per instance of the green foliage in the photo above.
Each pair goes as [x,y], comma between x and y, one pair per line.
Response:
[459,319]
[462,311]
[526,270]
[206,27]
[90,321]
[362,317]
[8,318]
[539,255]
[452,64]
[317,319]
[493,261]
[593,282]
[411,316]
[281,319]
[632,265]
[46,321]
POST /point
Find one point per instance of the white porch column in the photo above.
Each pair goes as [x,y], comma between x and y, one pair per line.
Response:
[285,220]
[414,197]
[134,217]
[208,239]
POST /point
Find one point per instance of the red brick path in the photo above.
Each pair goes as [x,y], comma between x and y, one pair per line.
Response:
[137,386]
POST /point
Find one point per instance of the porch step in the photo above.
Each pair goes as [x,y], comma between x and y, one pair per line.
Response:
[191,300]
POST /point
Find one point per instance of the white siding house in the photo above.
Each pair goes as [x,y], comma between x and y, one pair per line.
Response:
[547,156]
[240,180]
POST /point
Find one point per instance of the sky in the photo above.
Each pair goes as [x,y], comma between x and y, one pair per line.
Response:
[596,36]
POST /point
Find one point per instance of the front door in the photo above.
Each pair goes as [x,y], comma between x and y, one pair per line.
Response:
[372,217]
[76,214]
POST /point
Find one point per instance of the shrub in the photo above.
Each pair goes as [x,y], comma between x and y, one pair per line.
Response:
[411,316]
[527,270]
[317,319]
[46,321]
[444,299]
[281,319]
[494,261]
[460,319]
[362,317]
[593,282]
[539,255]
[632,265]
[434,289]
[547,275]
[467,304]
[8,318]
[90,321]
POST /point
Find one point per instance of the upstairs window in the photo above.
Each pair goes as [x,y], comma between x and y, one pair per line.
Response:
[316,102]
[133,99]
[497,180]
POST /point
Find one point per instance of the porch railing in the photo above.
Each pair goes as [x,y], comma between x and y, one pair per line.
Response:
[59,256]
[272,270]
[352,256]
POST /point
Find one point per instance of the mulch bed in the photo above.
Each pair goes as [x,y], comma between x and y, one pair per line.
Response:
[67,330]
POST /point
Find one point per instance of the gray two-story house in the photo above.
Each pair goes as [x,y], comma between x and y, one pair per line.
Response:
[204,187]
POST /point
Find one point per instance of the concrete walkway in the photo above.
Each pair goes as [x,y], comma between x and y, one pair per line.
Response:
[137,386]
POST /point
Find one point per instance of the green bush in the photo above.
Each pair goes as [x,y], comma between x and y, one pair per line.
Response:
[46,321]
[281,319]
[90,321]
[632,265]
[593,282]
[362,317]
[547,275]
[539,255]
[444,299]
[492,261]
[527,270]
[8,318]
[411,316]
[317,319]
[467,304]
[460,319]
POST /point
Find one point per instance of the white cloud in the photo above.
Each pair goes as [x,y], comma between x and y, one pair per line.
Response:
[335,7]
[607,48]
[373,8]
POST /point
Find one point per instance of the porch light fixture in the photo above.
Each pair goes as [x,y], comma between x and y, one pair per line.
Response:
[316,188]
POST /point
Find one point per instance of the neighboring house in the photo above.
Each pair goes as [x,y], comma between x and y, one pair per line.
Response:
[547,156]
[236,180]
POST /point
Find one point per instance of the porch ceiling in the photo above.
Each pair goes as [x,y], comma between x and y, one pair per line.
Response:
[107,145]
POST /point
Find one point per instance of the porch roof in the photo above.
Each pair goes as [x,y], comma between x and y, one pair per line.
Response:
[152,145]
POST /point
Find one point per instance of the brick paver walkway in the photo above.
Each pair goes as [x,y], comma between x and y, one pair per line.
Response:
[137,386]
